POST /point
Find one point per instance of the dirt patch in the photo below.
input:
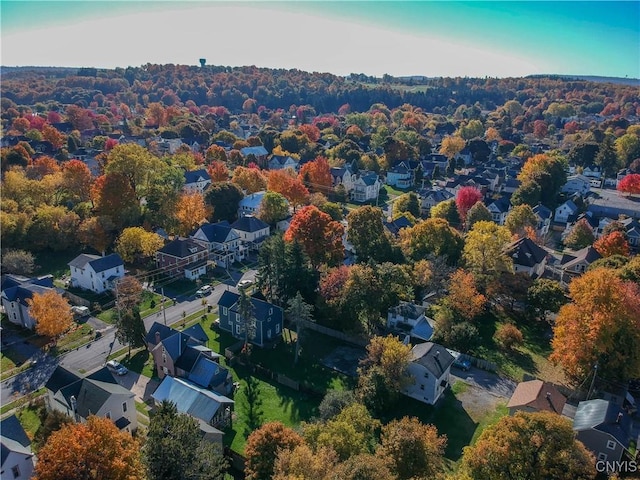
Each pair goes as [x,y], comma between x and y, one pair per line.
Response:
[477,402]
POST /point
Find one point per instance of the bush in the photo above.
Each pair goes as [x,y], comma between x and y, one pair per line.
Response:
[508,336]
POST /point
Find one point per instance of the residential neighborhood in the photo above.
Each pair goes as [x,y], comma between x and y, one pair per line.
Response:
[234,285]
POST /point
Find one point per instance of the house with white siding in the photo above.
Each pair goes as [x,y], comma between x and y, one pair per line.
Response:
[95,273]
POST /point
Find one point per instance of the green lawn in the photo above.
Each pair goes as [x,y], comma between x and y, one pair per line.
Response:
[151,303]
[79,336]
[54,263]
[30,418]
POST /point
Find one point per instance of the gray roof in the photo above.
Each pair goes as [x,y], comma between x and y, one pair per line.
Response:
[98,264]
[526,252]
[13,438]
[587,254]
[249,223]
[257,151]
[195,176]
[542,211]
[435,358]
[163,330]
[190,399]
[604,416]
[197,332]
[207,373]
[182,248]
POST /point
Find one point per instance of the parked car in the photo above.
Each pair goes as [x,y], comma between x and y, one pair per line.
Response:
[204,291]
[117,367]
[462,364]
[245,283]
[80,312]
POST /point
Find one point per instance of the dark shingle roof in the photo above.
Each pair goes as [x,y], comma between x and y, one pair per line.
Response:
[197,332]
[195,176]
[13,438]
[99,264]
[435,358]
[61,377]
[182,248]
[163,330]
[542,211]
[603,416]
[526,252]
[249,223]
[260,307]
[206,373]
[217,232]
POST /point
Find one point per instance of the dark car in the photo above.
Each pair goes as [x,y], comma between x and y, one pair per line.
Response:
[462,364]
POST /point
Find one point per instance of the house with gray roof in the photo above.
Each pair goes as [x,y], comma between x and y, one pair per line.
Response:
[15,293]
[220,241]
[565,212]
[250,205]
[269,319]
[400,176]
[527,256]
[499,209]
[429,198]
[576,263]
[97,394]
[410,319]
[183,257]
[604,428]
[16,458]
[366,187]
[212,411]
[430,368]
[196,181]
[280,162]
[544,216]
[252,232]
[259,153]
[95,273]
[613,204]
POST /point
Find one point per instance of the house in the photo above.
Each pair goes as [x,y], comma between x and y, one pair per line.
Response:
[16,291]
[185,355]
[527,257]
[510,185]
[576,263]
[430,367]
[400,176]
[221,242]
[183,257]
[252,231]
[544,215]
[592,171]
[536,396]
[97,394]
[429,198]
[17,460]
[259,153]
[342,176]
[394,226]
[211,410]
[499,209]
[196,181]
[250,205]
[565,212]
[612,204]
[411,319]
[98,274]
[280,162]
[577,184]
[604,428]
[269,318]
[366,187]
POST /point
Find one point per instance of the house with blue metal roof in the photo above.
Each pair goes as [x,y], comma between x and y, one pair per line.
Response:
[95,273]
[16,291]
[269,319]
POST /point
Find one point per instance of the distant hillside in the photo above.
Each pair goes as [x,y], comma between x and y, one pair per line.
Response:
[634,82]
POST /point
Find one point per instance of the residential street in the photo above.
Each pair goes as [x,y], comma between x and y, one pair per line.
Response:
[93,355]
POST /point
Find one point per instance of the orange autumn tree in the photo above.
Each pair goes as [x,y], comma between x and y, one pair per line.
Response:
[96,449]
[51,312]
[463,297]
[249,179]
[218,171]
[191,211]
[316,175]
[614,243]
[285,183]
[600,326]
[319,235]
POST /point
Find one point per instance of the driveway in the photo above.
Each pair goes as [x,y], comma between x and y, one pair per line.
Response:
[141,386]
[487,381]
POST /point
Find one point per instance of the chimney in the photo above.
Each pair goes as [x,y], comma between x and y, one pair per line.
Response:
[619,417]
[157,338]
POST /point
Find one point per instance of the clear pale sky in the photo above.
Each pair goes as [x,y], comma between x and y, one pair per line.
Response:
[434,38]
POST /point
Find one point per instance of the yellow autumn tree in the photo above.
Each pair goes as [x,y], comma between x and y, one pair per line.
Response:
[451,146]
[51,312]
[191,211]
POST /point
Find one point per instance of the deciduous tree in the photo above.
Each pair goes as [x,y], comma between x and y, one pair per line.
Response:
[483,252]
[316,175]
[224,197]
[411,449]
[18,261]
[51,312]
[463,297]
[478,212]
[263,446]
[360,467]
[113,196]
[367,234]
[536,446]
[451,146]
[448,211]
[286,183]
[96,449]
[581,235]
[630,184]
[433,236]
[302,463]
[191,211]
[76,181]
[218,171]
[319,235]
[519,218]
[135,243]
[273,208]
[601,325]
[250,180]
[508,336]
[407,203]
[97,233]
[466,198]
[545,296]
[611,244]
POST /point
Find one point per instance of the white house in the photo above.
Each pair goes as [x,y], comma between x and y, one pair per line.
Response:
[527,257]
[221,242]
[565,211]
[577,184]
[196,181]
[91,272]
[366,187]
[499,209]
[16,291]
[410,318]
[280,162]
[250,205]
[400,176]
[17,457]
[251,230]
[97,394]
[429,198]
[342,176]
[544,215]
[429,368]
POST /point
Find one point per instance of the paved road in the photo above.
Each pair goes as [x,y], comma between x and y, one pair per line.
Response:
[93,355]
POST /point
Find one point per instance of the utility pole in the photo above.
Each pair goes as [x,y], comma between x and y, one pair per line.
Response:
[593,380]
[164,312]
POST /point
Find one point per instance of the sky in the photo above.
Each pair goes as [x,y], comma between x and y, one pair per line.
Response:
[430,38]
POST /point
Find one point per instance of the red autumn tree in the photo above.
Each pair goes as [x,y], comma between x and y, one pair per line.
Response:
[540,128]
[311,131]
[466,198]
[109,144]
[218,171]
[319,235]
[76,180]
[612,244]
[316,175]
[42,166]
[286,183]
[630,184]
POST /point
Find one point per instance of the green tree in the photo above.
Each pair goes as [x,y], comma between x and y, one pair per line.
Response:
[483,252]
[545,296]
[247,319]
[528,193]
[535,446]
[581,235]
[299,312]
[448,211]
[519,218]
[18,261]
[252,403]
[407,203]
[433,236]
[224,197]
[333,402]
[273,208]
[607,158]
[130,328]
[477,213]
[136,164]
[367,234]
[627,148]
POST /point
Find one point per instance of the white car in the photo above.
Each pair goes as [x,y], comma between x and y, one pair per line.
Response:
[117,367]
[245,283]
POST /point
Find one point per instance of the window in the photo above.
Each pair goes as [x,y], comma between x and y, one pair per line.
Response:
[421,387]
[165,370]
[602,457]
[124,407]
[224,311]
[270,311]
[277,329]
[426,375]
[108,415]
[269,333]
[102,274]
[164,358]
[237,329]
[16,471]
[611,445]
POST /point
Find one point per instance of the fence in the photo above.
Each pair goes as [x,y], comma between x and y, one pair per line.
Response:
[76,300]
[479,363]
[353,339]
